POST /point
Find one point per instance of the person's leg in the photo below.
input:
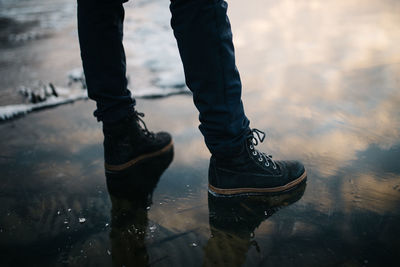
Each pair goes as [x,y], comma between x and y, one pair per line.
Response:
[126,142]
[100,29]
[204,38]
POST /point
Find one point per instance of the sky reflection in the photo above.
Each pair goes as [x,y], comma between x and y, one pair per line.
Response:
[321,77]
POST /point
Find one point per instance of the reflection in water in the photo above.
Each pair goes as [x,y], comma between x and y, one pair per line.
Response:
[322,77]
[233,221]
[131,195]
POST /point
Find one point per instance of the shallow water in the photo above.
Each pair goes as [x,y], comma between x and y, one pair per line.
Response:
[320,77]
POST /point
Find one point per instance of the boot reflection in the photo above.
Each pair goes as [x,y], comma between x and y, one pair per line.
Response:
[233,221]
[131,196]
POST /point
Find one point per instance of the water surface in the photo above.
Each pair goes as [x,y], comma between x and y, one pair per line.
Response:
[321,77]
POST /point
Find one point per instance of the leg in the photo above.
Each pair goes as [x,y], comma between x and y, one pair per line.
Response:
[204,37]
[126,142]
[100,28]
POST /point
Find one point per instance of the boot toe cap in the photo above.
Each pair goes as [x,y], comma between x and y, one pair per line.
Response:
[295,169]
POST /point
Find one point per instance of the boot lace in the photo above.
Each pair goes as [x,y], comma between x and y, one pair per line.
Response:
[255,137]
[138,116]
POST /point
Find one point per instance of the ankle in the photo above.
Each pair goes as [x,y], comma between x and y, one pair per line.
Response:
[230,153]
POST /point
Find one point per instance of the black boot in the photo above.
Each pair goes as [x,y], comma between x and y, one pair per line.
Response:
[253,172]
[127,143]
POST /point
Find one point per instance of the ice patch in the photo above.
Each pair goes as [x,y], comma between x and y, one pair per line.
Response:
[39,93]
[155,92]
[65,96]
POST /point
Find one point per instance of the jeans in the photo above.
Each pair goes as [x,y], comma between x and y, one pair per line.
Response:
[204,38]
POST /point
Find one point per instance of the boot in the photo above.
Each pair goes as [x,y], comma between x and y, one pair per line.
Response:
[127,143]
[253,172]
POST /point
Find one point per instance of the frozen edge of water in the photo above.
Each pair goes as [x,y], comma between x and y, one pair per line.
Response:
[9,112]
[12,111]
[154,92]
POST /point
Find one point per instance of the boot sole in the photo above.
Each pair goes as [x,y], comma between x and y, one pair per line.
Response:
[138,159]
[240,191]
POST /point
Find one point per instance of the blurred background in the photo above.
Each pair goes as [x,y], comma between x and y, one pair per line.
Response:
[321,77]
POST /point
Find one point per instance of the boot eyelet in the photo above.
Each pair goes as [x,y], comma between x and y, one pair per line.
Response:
[274,167]
[266,164]
[251,147]
[254,153]
[260,159]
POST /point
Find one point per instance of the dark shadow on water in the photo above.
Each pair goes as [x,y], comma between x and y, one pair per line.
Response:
[131,195]
[233,221]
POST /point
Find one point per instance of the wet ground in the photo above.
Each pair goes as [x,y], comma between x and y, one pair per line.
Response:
[322,78]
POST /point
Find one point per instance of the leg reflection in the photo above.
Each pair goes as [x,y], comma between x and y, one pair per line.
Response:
[233,221]
[131,196]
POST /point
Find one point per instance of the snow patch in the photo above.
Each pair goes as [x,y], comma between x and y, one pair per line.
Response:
[12,111]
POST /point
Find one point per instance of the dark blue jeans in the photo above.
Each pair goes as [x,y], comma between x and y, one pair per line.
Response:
[204,37]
